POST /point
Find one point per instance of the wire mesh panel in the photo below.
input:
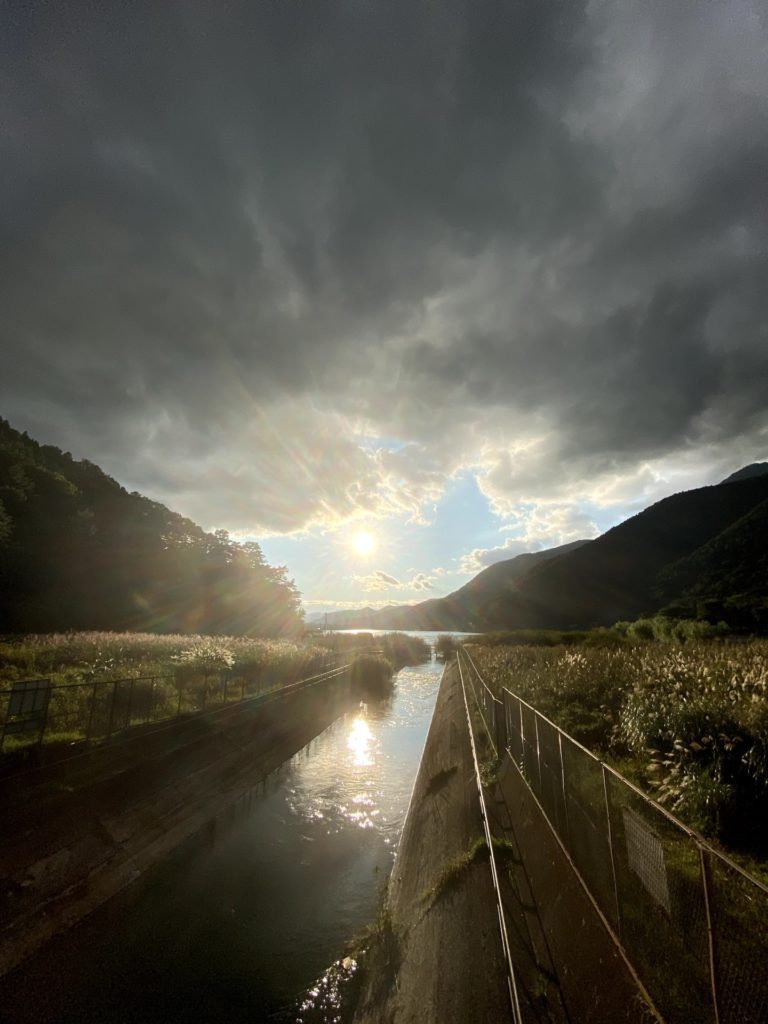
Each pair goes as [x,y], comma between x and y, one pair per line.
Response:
[68,713]
[693,925]
[588,824]
[662,909]
[501,726]
[485,704]
[100,703]
[193,695]
[740,939]
[552,793]
[4,701]
[512,724]
[33,712]
[494,719]
[122,704]
[530,753]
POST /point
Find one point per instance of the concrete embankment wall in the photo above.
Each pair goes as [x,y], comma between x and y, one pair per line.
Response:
[75,836]
[445,963]
[437,956]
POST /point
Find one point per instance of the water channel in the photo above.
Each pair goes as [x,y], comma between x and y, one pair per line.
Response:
[242,922]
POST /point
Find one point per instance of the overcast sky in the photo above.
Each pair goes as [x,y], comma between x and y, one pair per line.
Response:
[474,277]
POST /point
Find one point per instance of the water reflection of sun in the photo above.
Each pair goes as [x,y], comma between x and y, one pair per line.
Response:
[358,741]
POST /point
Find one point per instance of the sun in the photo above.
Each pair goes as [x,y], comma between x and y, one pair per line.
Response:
[363,542]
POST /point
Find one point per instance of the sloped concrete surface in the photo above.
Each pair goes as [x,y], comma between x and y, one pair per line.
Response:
[447,966]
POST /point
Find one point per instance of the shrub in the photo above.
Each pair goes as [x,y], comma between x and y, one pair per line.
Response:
[371,675]
[445,647]
[694,718]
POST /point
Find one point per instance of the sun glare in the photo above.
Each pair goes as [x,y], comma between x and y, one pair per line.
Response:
[363,543]
[358,741]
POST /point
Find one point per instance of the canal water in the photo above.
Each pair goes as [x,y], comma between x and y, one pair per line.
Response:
[242,922]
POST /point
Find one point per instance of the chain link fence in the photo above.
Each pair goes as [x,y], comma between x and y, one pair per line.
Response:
[693,924]
[33,711]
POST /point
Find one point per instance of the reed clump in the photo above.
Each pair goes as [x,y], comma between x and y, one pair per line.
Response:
[688,721]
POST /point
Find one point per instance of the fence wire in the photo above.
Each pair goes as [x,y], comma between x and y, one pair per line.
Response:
[34,712]
[693,924]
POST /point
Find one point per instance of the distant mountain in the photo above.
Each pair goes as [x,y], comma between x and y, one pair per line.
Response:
[77,551]
[617,576]
[333,619]
[748,472]
[464,609]
[699,546]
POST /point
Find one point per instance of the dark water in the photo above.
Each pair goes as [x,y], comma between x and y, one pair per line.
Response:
[239,922]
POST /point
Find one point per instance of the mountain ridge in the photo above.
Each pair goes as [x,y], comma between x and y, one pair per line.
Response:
[616,576]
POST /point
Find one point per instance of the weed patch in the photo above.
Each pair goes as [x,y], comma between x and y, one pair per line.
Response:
[378,951]
[440,779]
[454,871]
[688,722]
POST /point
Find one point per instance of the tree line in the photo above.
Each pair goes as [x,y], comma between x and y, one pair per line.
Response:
[78,551]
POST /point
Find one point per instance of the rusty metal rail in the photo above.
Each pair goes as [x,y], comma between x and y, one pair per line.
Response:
[82,715]
[690,923]
[514,998]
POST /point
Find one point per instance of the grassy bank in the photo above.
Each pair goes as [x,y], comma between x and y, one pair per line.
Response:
[398,648]
[688,722]
[105,682]
[81,657]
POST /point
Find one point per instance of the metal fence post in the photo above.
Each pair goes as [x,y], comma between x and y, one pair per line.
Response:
[538,750]
[90,712]
[44,726]
[112,709]
[565,793]
[706,885]
[522,735]
[500,713]
[129,713]
[610,848]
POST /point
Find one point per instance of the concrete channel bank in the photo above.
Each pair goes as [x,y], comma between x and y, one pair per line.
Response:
[443,958]
[75,837]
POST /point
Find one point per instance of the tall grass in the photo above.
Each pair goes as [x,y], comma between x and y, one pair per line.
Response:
[83,657]
[398,648]
[689,722]
[154,677]
[371,675]
[106,682]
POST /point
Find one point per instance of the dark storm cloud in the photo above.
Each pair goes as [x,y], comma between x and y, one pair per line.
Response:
[418,215]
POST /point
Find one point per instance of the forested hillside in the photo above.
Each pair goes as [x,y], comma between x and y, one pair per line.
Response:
[727,578]
[77,551]
[464,609]
[617,576]
[698,554]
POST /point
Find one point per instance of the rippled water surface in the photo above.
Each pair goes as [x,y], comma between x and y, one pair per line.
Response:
[240,922]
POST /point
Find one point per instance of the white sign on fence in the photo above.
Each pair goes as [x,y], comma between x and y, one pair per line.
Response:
[645,854]
[29,697]
[27,708]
